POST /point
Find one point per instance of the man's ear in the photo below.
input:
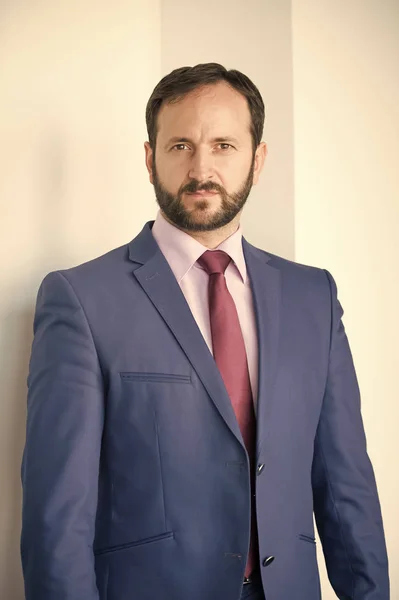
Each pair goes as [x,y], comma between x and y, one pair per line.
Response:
[149,158]
[260,157]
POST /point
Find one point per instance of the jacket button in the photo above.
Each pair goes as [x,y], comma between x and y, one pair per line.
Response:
[268,561]
[260,469]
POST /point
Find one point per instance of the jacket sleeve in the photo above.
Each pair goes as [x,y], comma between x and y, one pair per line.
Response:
[346,505]
[61,457]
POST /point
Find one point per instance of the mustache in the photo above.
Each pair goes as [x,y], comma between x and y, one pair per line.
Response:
[194,186]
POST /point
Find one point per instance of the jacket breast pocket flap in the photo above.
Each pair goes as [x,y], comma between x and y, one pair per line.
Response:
[155,377]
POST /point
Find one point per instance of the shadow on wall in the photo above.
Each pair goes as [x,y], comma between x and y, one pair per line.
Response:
[41,251]
[15,348]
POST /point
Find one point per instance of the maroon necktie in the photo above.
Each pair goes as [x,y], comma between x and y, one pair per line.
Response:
[231,358]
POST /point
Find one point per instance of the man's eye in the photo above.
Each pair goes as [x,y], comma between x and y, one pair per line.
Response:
[178,146]
[228,146]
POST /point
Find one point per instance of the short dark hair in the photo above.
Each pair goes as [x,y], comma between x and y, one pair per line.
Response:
[174,86]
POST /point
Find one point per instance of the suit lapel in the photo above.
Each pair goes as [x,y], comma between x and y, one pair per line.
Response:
[159,283]
[266,290]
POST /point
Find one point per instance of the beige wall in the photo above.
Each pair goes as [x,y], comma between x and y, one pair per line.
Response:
[346,132]
[74,81]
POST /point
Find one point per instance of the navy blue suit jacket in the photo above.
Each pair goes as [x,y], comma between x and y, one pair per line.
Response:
[136,482]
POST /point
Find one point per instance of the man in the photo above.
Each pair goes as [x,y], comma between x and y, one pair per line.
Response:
[192,399]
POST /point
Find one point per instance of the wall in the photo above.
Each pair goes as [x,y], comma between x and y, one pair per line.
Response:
[346,132]
[74,81]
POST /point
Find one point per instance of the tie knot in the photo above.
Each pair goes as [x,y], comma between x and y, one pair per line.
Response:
[215,261]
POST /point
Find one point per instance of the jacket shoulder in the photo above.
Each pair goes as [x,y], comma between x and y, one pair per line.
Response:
[292,269]
[95,276]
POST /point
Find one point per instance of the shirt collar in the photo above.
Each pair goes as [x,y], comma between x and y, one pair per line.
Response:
[182,251]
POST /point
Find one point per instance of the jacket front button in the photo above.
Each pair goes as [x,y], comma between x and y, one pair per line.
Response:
[260,469]
[268,561]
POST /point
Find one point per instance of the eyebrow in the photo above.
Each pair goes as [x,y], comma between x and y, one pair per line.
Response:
[217,140]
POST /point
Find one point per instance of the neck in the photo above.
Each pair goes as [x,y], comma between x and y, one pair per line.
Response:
[212,239]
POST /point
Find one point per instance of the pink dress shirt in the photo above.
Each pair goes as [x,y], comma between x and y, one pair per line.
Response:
[182,252]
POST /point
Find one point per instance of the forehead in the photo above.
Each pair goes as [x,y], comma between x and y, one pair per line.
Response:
[212,109]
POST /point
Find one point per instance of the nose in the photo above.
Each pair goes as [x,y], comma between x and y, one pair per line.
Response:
[201,165]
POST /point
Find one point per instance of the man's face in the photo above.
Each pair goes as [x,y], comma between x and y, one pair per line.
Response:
[204,165]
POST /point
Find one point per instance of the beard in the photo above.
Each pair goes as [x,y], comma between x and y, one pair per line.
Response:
[196,219]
